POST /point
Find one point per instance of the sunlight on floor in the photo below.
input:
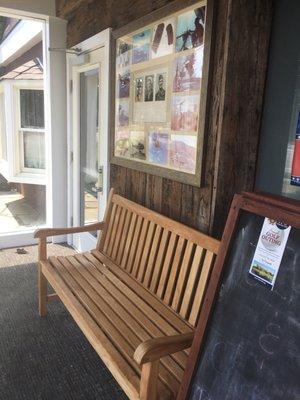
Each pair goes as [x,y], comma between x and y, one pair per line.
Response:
[16,213]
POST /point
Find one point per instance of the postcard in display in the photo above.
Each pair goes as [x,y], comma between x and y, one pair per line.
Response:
[185,113]
[123,53]
[122,113]
[141,46]
[163,39]
[123,84]
[183,151]
[190,29]
[187,71]
[122,143]
[137,145]
[158,148]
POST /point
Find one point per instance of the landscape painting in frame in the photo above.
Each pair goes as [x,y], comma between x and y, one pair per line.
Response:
[163,39]
[190,29]
[187,71]
[183,152]
[158,148]
[122,143]
[185,113]
[137,145]
[141,46]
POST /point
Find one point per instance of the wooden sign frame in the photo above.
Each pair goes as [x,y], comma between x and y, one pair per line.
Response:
[196,178]
[262,204]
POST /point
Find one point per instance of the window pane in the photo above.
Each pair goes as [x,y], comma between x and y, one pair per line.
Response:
[34,150]
[32,108]
[89,145]
[3,148]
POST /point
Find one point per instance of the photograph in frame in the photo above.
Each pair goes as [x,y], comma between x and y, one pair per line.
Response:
[187,71]
[163,39]
[185,112]
[122,143]
[190,29]
[158,148]
[122,113]
[160,86]
[139,89]
[138,145]
[141,46]
[183,152]
[149,87]
[123,84]
[124,50]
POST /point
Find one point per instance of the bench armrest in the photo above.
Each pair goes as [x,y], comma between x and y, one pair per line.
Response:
[154,349]
[45,232]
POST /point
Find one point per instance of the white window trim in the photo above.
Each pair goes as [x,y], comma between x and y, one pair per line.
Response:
[19,131]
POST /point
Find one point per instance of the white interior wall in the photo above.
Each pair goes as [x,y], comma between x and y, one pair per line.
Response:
[46,7]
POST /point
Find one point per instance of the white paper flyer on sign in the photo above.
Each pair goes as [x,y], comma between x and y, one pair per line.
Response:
[269,251]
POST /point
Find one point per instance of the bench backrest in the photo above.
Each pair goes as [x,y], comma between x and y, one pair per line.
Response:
[170,259]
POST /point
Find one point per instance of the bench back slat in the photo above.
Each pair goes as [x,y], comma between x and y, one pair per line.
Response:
[170,259]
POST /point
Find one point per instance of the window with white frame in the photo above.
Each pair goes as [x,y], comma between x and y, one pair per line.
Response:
[3,139]
[32,130]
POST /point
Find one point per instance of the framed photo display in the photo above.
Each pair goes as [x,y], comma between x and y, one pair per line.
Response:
[160,86]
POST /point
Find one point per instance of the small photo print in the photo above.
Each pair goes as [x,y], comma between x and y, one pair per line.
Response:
[123,113]
[139,89]
[124,84]
[123,53]
[262,272]
[163,39]
[190,29]
[149,87]
[141,46]
[183,151]
[160,86]
[158,148]
[122,144]
[187,71]
[137,145]
[185,113]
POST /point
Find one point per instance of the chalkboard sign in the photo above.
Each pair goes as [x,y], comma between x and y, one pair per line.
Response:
[248,346]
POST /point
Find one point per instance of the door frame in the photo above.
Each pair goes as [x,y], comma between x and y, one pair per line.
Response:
[75,65]
[54,44]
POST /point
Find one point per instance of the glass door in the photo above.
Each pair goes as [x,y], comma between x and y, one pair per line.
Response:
[88,123]
[90,172]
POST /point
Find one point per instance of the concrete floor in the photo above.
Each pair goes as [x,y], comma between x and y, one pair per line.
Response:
[16,214]
[10,257]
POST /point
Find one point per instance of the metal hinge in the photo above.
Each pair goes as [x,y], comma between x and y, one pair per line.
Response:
[71,157]
[71,86]
[71,221]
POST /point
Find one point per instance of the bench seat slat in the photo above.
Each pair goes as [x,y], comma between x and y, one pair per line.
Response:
[127,377]
[114,326]
[134,314]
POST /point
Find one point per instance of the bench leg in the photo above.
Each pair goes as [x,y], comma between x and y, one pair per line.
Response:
[149,377]
[42,281]
[42,293]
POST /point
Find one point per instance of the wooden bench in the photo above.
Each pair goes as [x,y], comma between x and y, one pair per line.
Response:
[137,296]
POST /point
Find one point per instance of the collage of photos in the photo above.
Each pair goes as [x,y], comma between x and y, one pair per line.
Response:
[157,104]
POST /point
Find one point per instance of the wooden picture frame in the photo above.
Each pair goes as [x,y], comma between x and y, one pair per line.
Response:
[261,204]
[192,178]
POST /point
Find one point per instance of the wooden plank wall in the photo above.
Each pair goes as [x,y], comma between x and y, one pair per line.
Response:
[240,53]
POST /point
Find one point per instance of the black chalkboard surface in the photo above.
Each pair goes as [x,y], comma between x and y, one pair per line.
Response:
[250,349]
